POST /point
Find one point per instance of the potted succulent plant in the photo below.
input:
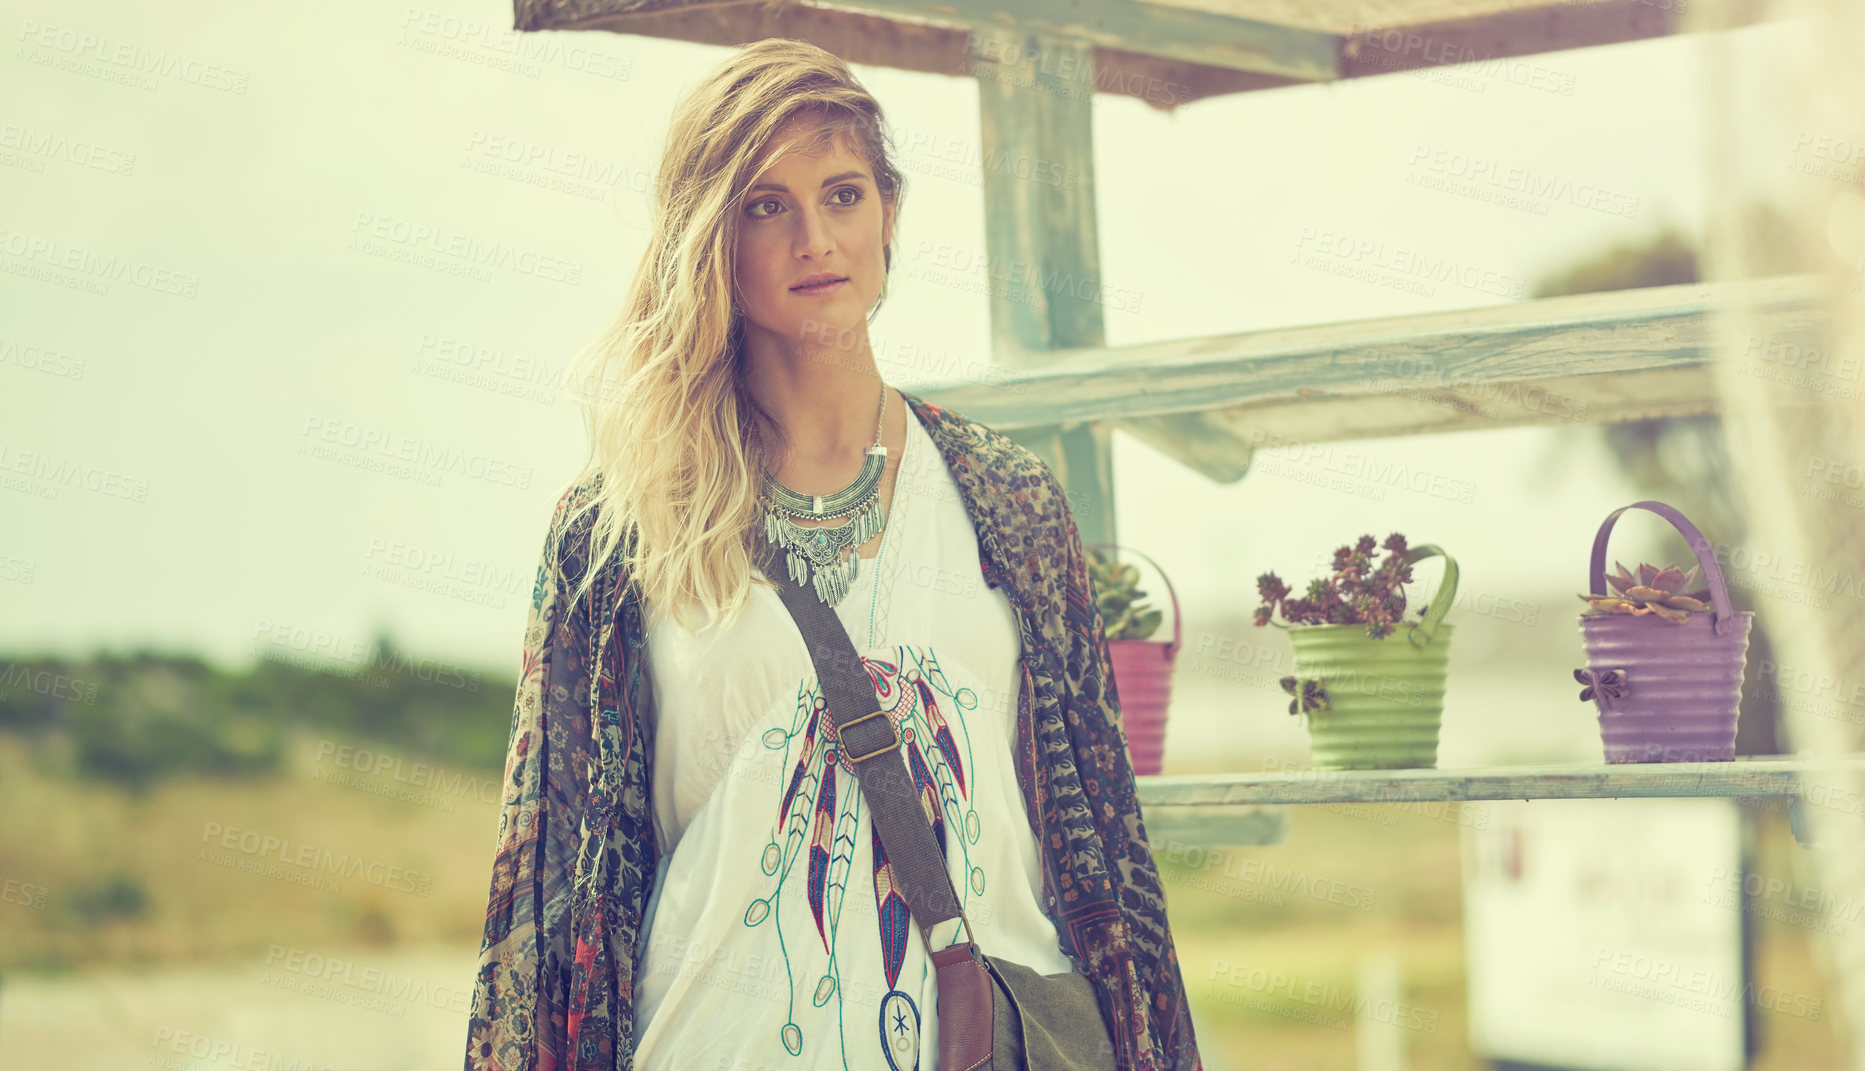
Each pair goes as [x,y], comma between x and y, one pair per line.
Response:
[1664,659]
[1372,700]
[1141,665]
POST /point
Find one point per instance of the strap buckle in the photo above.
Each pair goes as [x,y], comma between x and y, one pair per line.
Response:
[977,954]
[842,730]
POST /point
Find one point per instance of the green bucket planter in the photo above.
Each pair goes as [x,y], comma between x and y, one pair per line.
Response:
[1382,701]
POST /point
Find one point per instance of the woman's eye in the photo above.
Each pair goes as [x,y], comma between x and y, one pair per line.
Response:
[855,197]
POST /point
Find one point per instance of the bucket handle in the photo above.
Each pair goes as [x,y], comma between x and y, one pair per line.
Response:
[1426,628]
[1723,618]
[1173,649]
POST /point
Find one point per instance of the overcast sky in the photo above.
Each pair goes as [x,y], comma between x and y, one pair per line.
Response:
[257,190]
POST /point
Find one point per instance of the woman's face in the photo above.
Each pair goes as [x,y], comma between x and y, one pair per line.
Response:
[810,216]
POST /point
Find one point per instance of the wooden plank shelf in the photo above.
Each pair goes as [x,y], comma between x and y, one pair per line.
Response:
[1824,781]
[1166,54]
[1582,358]
[1215,825]
[1227,41]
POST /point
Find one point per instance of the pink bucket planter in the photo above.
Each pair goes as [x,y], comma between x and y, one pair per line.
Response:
[1666,692]
[1143,675]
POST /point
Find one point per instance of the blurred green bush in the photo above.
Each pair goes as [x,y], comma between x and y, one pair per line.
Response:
[134,719]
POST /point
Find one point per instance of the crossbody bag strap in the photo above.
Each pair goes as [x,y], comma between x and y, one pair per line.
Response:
[871,741]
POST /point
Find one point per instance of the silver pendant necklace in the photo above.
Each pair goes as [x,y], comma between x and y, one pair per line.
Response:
[814,553]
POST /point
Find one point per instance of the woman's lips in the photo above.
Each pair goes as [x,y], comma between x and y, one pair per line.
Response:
[819,288]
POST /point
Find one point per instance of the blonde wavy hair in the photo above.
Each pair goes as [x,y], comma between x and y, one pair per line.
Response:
[677,446]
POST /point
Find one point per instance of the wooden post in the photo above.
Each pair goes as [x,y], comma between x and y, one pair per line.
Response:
[1035,99]
[1378,1033]
[1793,428]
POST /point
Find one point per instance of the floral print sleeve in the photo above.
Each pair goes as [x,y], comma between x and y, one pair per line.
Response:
[1093,703]
[521,988]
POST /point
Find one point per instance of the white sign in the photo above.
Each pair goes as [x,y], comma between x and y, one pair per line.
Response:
[1606,934]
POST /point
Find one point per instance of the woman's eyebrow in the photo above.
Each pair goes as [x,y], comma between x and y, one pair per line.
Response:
[781,188]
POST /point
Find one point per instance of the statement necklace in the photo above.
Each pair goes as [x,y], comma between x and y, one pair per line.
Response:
[814,553]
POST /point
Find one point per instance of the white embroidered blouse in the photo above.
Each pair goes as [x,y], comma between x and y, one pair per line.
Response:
[774,941]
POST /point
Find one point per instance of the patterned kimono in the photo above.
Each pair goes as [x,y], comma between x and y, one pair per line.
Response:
[576,851]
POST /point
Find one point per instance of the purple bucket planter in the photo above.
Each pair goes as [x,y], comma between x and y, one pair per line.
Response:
[1143,681]
[1666,692]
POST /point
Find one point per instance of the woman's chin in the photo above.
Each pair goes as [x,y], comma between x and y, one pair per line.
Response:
[830,330]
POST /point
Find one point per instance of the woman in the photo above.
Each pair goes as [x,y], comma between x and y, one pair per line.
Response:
[685,875]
